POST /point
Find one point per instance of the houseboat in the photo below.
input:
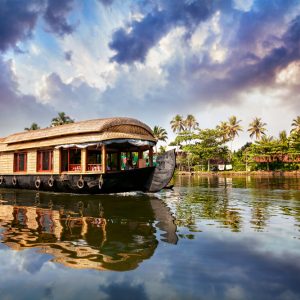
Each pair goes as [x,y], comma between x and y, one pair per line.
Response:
[90,157]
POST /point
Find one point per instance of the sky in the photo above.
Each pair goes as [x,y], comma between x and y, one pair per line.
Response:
[150,60]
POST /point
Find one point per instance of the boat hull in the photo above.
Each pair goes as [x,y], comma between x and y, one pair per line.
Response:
[149,179]
[116,182]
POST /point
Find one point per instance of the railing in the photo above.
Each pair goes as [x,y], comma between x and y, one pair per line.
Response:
[74,167]
[94,167]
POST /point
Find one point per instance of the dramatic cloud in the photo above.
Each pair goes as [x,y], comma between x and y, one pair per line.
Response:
[133,43]
[19,18]
[55,16]
[249,70]
[153,58]
[17,21]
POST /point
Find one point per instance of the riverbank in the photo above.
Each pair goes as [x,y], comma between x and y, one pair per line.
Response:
[240,173]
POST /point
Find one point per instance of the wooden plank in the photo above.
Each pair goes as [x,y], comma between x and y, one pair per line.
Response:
[6,163]
[56,161]
[83,160]
[31,161]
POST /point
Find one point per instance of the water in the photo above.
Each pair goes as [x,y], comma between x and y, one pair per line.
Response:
[209,238]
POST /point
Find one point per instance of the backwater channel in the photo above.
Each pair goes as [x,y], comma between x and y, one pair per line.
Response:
[208,238]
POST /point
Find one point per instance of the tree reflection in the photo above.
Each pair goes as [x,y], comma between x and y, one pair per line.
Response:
[208,205]
[226,200]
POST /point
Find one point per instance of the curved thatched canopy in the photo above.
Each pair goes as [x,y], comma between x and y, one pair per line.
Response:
[80,132]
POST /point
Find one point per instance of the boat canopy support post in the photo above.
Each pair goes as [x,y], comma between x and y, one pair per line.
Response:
[83,160]
[104,163]
[151,157]
[140,157]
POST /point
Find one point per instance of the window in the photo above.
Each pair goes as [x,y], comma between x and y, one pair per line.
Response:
[94,160]
[71,160]
[20,162]
[45,160]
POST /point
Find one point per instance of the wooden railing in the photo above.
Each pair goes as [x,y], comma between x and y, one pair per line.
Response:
[74,167]
[94,167]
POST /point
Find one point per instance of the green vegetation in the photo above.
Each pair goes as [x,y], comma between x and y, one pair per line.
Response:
[61,119]
[34,126]
[206,149]
[160,133]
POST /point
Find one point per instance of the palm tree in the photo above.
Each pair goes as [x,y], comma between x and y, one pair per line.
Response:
[224,128]
[34,126]
[177,124]
[61,119]
[234,127]
[256,127]
[190,122]
[296,125]
[283,136]
[264,140]
[160,134]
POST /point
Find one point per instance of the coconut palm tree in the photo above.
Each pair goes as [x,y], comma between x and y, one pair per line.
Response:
[160,134]
[265,140]
[234,127]
[190,122]
[61,119]
[224,128]
[256,127]
[283,136]
[296,125]
[283,140]
[34,126]
[177,124]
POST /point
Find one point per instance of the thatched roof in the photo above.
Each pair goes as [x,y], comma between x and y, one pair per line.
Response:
[84,131]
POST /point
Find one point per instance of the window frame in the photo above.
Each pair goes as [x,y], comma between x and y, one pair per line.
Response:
[39,161]
[17,162]
[93,167]
[69,169]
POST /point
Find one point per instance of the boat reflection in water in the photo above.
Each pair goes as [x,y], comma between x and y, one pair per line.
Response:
[97,232]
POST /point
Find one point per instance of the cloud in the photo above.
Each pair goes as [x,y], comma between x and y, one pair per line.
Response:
[19,18]
[17,21]
[55,16]
[68,55]
[106,2]
[73,97]
[260,44]
[133,43]
[18,110]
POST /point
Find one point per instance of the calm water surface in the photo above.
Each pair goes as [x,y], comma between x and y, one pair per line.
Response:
[209,238]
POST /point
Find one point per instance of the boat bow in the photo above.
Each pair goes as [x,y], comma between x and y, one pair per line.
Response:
[163,172]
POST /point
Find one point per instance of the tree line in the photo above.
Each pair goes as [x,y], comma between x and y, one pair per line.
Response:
[214,145]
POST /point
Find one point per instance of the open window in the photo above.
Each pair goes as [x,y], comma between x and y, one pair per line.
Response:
[93,160]
[71,160]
